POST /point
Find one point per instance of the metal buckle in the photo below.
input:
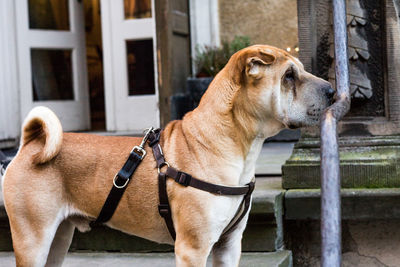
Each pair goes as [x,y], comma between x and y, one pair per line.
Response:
[140,151]
[183,178]
[120,186]
[162,165]
[140,148]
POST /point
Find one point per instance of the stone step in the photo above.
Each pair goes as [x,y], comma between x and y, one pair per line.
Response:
[365,162]
[264,232]
[370,226]
[273,155]
[272,259]
[357,204]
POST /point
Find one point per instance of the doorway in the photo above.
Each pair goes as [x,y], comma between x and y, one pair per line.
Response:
[121,63]
[92,62]
[94,59]
[51,60]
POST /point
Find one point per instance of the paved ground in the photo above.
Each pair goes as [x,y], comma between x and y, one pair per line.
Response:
[149,259]
[273,155]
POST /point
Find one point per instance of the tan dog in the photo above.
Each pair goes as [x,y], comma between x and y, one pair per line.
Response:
[61,180]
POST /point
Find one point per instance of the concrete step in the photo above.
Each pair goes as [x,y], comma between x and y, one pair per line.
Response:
[370,226]
[357,204]
[272,259]
[264,232]
[273,155]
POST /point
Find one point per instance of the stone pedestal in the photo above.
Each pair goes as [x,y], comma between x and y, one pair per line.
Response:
[365,162]
[369,134]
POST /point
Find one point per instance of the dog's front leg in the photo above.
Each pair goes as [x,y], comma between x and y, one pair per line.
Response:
[189,252]
[226,252]
[194,234]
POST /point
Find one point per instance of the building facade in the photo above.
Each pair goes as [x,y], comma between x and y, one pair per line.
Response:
[112,65]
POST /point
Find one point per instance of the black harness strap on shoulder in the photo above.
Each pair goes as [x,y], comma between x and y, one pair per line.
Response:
[163,207]
[186,179]
[121,181]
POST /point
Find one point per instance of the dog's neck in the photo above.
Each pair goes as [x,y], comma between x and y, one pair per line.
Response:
[226,133]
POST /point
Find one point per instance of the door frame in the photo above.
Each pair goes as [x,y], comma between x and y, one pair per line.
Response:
[109,67]
[204,25]
[9,84]
[73,114]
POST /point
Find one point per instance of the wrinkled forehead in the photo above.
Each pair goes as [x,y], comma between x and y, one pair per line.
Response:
[284,58]
[288,61]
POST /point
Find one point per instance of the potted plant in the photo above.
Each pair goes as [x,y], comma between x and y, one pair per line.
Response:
[208,62]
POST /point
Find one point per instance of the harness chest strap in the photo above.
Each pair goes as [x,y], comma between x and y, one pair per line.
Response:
[186,179]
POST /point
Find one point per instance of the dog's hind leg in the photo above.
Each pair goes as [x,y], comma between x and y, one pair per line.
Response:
[61,242]
[32,232]
[226,252]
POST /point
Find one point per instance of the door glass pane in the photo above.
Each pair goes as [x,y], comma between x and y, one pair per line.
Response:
[140,67]
[137,9]
[52,74]
[48,14]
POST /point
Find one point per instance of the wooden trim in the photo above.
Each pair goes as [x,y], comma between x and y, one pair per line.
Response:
[305,32]
[204,25]
[9,101]
[107,66]
[393,61]
[164,57]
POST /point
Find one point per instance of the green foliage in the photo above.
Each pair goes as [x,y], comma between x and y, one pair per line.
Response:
[210,60]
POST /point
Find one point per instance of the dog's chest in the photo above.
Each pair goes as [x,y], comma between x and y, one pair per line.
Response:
[249,164]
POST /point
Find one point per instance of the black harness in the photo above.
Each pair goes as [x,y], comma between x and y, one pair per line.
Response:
[136,156]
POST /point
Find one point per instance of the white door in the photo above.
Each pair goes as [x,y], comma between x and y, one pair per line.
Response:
[130,68]
[52,59]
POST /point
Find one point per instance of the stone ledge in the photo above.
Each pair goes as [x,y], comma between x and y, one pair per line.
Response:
[267,196]
[357,204]
[365,162]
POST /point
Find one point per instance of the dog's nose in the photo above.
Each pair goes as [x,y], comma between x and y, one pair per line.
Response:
[329,92]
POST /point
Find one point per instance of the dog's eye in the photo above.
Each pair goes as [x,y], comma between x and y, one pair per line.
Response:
[289,75]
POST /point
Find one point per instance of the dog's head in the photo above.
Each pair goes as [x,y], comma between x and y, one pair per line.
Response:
[274,85]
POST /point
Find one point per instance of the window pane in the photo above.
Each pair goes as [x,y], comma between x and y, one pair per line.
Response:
[137,9]
[48,14]
[52,74]
[140,67]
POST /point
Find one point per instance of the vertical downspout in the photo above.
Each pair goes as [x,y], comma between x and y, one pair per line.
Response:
[330,173]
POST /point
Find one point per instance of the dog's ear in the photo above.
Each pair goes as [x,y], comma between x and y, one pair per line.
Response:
[256,63]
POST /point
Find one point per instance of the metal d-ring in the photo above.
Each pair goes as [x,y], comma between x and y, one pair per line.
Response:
[120,186]
[162,165]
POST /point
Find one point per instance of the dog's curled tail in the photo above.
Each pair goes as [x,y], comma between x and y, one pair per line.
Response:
[43,125]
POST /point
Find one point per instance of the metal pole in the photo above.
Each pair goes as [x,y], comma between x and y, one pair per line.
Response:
[330,173]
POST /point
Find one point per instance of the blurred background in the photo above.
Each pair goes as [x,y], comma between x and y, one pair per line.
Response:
[121,66]
[115,67]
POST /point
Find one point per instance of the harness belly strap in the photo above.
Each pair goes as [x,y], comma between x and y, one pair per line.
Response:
[186,179]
